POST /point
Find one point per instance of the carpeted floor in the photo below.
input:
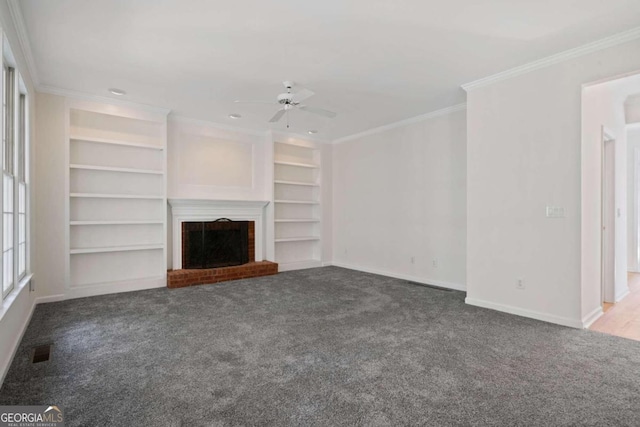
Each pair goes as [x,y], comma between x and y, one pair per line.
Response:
[321,347]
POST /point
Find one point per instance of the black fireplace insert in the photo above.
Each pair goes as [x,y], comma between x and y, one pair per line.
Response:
[213,244]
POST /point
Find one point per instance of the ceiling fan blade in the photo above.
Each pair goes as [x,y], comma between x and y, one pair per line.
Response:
[319,111]
[255,102]
[301,95]
[277,116]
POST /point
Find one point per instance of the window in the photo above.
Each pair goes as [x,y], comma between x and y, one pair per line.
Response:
[22,185]
[8,110]
[15,173]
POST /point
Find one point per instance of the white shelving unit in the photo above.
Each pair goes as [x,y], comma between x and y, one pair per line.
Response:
[116,198]
[297,205]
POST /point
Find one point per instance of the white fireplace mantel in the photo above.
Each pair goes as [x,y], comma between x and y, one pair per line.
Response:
[184,210]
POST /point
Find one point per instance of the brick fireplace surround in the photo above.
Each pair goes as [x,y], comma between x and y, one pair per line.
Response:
[189,277]
[184,278]
[181,278]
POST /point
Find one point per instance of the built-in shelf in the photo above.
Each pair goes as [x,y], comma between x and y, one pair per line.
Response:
[115,142]
[116,222]
[115,241]
[114,169]
[305,184]
[298,220]
[297,239]
[296,164]
[297,202]
[115,249]
[114,196]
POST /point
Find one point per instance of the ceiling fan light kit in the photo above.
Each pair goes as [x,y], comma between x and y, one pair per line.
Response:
[290,101]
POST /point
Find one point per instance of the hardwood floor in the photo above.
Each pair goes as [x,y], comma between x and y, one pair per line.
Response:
[623,319]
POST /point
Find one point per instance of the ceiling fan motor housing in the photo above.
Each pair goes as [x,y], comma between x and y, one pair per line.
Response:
[285,98]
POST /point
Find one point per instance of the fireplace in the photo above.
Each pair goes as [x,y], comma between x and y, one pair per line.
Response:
[200,215]
[214,244]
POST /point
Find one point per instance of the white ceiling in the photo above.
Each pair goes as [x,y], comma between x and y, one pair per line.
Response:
[374,62]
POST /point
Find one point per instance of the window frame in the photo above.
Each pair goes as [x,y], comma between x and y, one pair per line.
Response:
[21,178]
[8,166]
[15,126]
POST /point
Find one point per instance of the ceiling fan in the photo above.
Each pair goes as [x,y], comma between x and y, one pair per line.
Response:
[289,101]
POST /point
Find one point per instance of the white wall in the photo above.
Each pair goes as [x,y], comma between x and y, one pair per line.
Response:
[632,108]
[15,311]
[50,194]
[525,153]
[326,152]
[208,162]
[633,189]
[400,194]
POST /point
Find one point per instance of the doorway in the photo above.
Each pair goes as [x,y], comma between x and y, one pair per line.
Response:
[608,218]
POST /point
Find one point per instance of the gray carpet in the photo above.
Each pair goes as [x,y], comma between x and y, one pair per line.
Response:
[322,347]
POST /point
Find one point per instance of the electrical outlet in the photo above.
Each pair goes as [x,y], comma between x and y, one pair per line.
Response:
[435,263]
[520,284]
[555,212]
[413,260]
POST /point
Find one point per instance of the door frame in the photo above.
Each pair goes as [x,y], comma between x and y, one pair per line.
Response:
[607,137]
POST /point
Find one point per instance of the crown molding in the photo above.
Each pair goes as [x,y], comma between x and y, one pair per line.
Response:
[222,126]
[405,122]
[23,39]
[103,99]
[601,44]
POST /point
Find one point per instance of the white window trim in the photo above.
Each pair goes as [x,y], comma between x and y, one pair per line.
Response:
[20,280]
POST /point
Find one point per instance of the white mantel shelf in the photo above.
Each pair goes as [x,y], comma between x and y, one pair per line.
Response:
[185,210]
[217,204]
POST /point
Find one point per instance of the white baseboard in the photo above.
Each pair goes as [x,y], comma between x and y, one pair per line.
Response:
[545,317]
[590,318]
[116,287]
[622,295]
[301,265]
[50,298]
[426,281]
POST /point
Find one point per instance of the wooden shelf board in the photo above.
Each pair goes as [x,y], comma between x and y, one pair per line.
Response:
[297,145]
[298,220]
[297,202]
[300,165]
[114,196]
[115,222]
[115,169]
[115,249]
[115,142]
[306,184]
[297,239]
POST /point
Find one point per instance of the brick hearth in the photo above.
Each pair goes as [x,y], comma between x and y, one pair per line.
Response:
[184,278]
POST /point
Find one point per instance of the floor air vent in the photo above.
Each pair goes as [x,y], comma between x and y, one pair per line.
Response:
[424,285]
[41,353]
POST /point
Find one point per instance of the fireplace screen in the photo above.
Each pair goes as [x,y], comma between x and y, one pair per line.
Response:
[214,244]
